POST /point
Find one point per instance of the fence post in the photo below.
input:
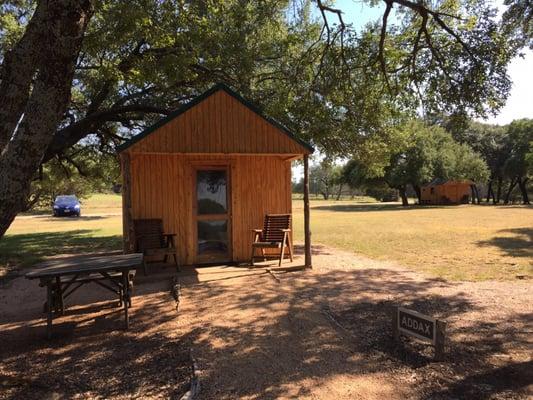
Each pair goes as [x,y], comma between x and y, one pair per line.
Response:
[439,340]
[395,331]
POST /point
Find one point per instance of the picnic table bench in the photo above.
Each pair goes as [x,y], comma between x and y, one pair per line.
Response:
[112,272]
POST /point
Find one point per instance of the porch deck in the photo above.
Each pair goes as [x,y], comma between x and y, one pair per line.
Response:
[191,274]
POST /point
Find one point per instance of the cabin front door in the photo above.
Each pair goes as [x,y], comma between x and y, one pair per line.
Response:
[212,214]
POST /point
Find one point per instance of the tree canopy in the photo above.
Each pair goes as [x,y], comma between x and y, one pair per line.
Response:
[340,88]
[428,152]
[504,149]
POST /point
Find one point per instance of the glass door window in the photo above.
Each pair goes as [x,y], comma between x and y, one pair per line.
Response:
[212,215]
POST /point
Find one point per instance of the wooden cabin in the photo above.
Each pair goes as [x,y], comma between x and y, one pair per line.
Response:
[211,171]
[441,191]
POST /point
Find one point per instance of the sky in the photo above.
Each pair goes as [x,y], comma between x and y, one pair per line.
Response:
[520,101]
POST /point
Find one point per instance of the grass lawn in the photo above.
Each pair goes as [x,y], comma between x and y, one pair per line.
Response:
[31,238]
[456,242]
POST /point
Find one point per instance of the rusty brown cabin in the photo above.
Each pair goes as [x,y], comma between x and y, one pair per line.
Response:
[447,192]
[210,171]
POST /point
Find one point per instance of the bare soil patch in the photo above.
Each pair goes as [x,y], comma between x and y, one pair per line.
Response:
[326,334]
[90,355]
[316,334]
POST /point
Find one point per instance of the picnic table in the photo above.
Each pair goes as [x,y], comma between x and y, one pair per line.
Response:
[112,272]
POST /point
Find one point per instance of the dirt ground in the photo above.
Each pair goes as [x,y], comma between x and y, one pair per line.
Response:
[90,356]
[320,334]
[326,334]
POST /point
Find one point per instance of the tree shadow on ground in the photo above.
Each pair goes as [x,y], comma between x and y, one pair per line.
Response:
[520,244]
[91,356]
[373,207]
[260,337]
[278,341]
[316,249]
[23,250]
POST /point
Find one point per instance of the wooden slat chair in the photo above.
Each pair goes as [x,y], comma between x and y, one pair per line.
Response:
[276,233]
[151,240]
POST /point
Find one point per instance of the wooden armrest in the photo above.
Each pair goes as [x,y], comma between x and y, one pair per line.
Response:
[285,230]
[257,230]
[169,234]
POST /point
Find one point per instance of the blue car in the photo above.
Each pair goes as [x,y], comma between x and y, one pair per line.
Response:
[66,205]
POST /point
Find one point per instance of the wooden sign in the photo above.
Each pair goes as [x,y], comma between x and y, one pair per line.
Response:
[420,326]
[415,324]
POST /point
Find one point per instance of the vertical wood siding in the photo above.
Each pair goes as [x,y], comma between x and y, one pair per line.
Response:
[219,124]
[163,185]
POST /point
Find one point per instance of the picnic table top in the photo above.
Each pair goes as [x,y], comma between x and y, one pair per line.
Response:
[86,263]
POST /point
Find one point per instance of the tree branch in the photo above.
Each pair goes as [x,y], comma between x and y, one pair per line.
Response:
[71,134]
[381,55]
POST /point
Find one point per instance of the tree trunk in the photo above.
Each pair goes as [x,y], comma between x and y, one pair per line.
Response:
[489,190]
[403,195]
[325,194]
[418,192]
[522,184]
[61,27]
[18,70]
[499,192]
[339,193]
[478,197]
[512,184]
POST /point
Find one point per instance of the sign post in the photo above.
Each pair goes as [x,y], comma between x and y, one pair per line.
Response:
[420,326]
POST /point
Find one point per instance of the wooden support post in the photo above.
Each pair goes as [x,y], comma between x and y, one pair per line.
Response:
[307,230]
[395,331]
[127,224]
[126,299]
[439,340]
[49,305]
[59,296]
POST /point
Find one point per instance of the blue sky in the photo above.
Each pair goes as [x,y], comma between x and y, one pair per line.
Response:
[520,102]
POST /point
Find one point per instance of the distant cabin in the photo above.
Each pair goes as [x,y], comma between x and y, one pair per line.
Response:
[441,191]
[210,171]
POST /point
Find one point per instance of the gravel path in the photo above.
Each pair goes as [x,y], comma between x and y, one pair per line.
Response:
[325,334]
[320,334]
[90,356]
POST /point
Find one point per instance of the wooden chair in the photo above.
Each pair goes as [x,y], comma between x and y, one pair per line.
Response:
[276,233]
[151,240]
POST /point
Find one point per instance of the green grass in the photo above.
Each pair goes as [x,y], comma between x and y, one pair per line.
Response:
[30,240]
[455,242]
[458,242]
[108,203]
[103,201]
[358,199]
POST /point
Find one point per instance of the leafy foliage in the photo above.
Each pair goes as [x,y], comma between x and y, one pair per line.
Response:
[505,150]
[520,134]
[143,58]
[325,178]
[433,153]
[428,152]
[529,159]
[344,90]
[518,21]
[87,172]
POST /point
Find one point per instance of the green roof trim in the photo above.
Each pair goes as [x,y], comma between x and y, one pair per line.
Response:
[200,98]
